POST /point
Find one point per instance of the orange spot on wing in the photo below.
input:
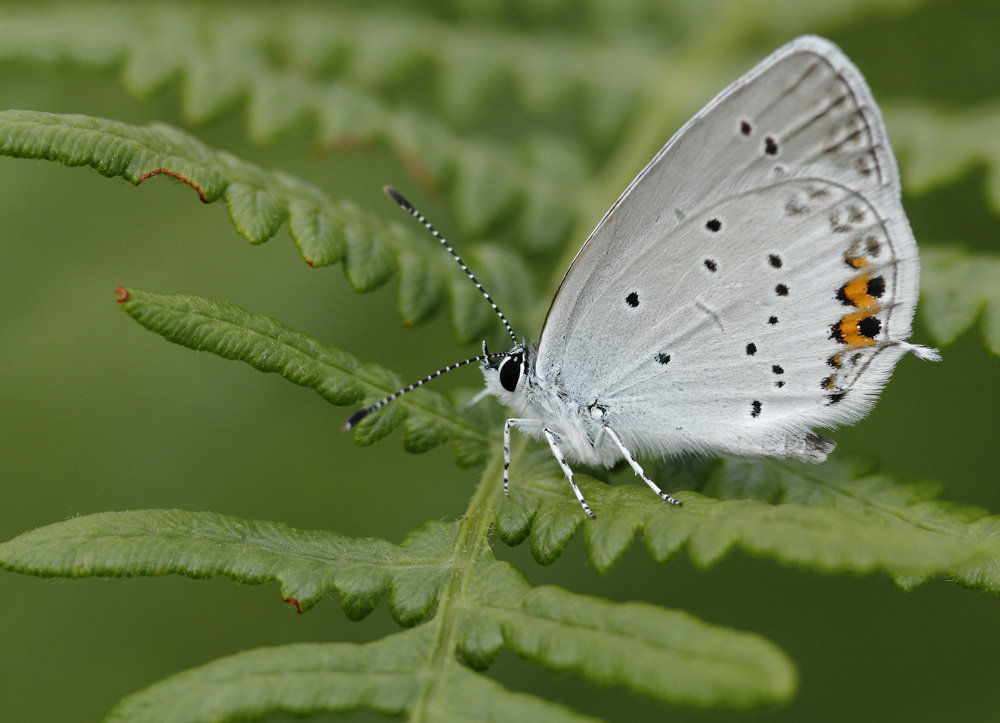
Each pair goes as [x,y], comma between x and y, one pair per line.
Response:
[856,291]
[850,331]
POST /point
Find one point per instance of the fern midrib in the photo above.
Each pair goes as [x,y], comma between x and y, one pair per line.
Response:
[277,548]
[468,551]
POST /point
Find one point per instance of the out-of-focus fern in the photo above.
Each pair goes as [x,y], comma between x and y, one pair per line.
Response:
[939,145]
[345,70]
[599,87]
[959,287]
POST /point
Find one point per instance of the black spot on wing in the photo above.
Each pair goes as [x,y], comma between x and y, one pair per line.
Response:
[870,326]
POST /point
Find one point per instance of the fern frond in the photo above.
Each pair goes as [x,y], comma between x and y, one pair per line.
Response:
[389,676]
[936,145]
[270,346]
[307,564]
[958,287]
[482,606]
[665,654]
[222,58]
[298,46]
[832,518]
[259,201]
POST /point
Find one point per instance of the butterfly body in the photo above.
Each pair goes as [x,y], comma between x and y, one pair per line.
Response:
[545,402]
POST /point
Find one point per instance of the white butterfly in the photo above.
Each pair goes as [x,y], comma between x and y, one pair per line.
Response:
[757,279]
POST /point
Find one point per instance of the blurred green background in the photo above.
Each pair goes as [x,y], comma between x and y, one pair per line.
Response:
[97,414]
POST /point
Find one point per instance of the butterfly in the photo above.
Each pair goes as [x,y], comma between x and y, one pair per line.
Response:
[756,280]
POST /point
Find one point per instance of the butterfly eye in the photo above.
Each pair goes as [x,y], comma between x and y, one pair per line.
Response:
[510,371]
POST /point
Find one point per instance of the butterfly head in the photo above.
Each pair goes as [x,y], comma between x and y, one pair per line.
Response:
[507,375]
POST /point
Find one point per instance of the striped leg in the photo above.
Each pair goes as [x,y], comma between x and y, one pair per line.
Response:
[638,470]
[506,455]
[520,424]
[557,453]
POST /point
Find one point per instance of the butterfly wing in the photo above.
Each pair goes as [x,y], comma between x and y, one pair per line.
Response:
[758,278]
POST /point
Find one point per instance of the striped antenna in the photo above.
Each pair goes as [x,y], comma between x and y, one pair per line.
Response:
[362,413]
[408,207]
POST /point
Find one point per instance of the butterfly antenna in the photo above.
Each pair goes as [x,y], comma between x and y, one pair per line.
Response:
[408,207]
[362,413]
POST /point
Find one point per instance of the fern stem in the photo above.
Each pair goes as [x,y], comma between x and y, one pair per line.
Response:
[470,544]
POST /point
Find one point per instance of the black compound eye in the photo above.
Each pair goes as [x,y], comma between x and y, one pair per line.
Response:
[510,372]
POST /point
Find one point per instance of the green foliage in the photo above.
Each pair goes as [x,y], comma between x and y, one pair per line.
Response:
[326,231]
[595,90]
[269,346]
[482,605]
[960,287]
[940,145]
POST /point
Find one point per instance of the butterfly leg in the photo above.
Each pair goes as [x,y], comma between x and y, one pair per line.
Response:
[506,452]
[638,470]
[530,425]
[561,459]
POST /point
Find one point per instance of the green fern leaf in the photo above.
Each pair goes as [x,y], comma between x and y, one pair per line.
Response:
[270,346]
[937,145]
[259,201]
[115,149]
[200,544]
[308,565]
[832,518]
[387,677]
[664,654]
[958,287]
[223,57]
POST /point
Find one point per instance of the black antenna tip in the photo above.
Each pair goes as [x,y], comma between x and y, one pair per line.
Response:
[355,418]
[397,197]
